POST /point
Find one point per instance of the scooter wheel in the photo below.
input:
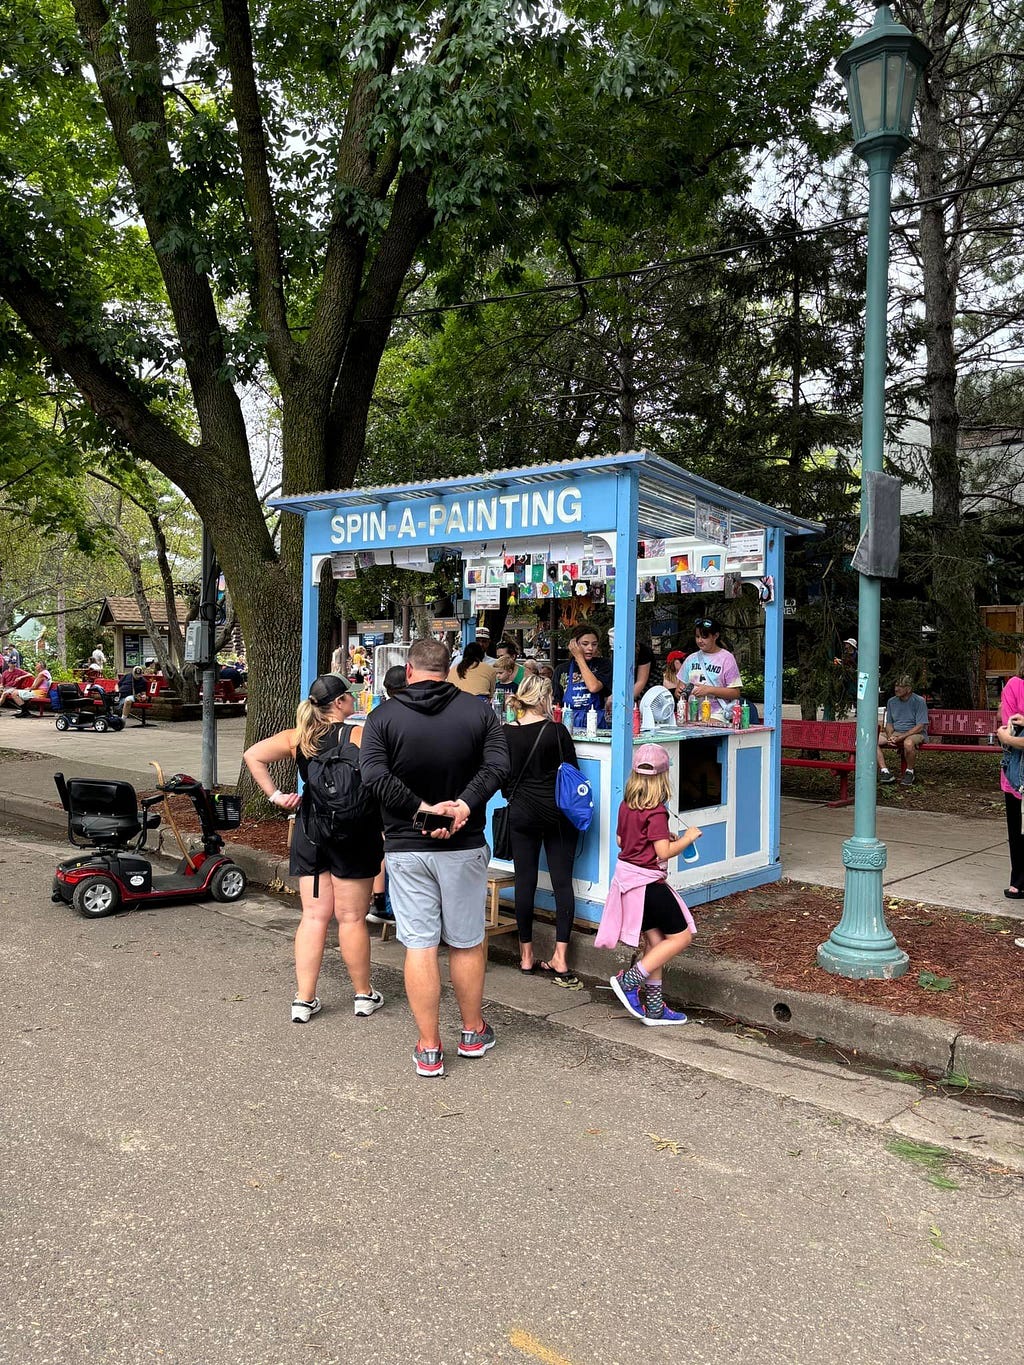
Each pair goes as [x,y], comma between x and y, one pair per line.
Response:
[228,883]
[62,722]
[116,723]
[96,896]
[100,725]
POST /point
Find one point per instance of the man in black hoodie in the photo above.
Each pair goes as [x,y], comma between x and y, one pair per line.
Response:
[432,750]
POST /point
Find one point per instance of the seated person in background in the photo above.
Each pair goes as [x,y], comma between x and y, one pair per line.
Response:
[905,729]
[37,689]
[231,673]
[131,687]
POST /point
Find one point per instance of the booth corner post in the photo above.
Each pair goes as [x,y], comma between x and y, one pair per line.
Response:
[881,70]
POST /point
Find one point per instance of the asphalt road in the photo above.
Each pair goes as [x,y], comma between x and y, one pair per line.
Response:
[188,1177]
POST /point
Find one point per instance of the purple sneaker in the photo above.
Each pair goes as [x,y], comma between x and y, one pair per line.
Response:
[666,1016]
[631,999]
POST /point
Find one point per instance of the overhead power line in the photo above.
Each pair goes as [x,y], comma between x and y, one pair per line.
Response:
[695,257]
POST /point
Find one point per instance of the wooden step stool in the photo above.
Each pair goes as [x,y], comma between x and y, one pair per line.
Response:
[496,923]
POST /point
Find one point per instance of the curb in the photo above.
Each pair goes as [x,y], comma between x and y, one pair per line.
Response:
[723,986]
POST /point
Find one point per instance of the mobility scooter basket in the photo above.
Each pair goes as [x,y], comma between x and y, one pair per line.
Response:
[227,811]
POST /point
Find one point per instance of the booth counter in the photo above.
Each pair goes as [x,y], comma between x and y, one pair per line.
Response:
[721,782]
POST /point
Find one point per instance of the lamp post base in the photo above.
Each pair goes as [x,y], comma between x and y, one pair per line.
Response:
[861,946]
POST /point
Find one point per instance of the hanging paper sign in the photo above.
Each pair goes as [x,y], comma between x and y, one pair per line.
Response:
[710,522]
[487,598]
[343,566]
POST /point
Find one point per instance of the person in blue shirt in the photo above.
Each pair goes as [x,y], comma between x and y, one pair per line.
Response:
[587,680]
[905,729]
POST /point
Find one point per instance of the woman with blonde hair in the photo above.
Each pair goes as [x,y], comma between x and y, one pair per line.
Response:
[537,747]
[335,875]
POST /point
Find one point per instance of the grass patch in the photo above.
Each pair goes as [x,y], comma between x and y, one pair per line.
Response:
[931,1160]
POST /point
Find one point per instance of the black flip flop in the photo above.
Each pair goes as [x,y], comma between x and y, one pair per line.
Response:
[1012,895]
[527,971]
[567,979]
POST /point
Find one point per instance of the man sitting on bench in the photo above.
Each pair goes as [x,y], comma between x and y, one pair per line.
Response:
[905,730]
[36,689]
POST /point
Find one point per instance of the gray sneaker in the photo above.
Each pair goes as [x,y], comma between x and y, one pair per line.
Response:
[476,1044]
[886,777]
[429,1061]
[907,780]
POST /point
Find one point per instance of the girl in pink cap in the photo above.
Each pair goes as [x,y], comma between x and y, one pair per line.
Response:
[640,899]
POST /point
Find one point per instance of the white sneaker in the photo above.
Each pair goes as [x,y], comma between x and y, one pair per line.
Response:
[366,1004]
[303,1010]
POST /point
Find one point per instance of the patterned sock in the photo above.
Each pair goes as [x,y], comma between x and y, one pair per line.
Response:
[634,977]
[655,1000]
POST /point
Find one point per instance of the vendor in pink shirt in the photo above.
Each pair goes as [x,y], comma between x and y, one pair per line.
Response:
[640,899]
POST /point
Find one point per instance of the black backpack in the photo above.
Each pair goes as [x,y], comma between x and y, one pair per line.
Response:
[335,798]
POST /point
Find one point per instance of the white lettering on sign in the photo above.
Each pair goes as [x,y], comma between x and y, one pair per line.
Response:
[535,510]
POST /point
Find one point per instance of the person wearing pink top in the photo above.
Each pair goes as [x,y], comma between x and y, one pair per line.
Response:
[1011,736]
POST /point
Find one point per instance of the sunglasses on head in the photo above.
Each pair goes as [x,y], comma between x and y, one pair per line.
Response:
[704,623]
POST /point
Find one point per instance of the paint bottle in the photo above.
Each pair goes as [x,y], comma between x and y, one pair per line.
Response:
[556,714]
[705,710]
[695,708]
[636,719]
[681,711]
[510,712]
[737,715]
[591,722]
[498,709]
[745,716]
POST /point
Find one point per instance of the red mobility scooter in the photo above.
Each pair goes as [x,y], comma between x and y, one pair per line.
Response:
[107,818]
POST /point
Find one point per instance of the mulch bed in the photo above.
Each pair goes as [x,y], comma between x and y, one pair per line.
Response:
[778,927]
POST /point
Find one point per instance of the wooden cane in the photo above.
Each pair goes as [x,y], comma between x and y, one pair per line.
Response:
[170,816]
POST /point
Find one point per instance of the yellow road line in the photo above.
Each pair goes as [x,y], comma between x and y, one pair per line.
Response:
[530,1346]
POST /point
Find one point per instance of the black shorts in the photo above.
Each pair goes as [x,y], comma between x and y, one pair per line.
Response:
[351,859]
[661,910]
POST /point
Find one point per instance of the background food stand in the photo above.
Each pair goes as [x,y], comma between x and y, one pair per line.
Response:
[542,526]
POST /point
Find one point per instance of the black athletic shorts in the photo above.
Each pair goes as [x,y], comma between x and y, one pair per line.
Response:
[661,910]
[351,859]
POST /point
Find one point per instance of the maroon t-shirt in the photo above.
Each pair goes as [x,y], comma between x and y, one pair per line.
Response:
[638,830]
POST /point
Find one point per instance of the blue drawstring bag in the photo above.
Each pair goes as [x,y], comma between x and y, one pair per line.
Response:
[574,796]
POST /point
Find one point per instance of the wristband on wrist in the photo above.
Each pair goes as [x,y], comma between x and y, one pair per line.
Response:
[272,798]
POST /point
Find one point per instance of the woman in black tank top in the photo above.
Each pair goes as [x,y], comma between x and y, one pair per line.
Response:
[336,878]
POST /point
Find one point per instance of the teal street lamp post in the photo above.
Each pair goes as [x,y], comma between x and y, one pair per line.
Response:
[881,71]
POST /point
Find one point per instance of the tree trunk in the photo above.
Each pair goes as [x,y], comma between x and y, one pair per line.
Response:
[953,572]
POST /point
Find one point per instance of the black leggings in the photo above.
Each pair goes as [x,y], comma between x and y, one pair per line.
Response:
[559,844]
[1016,839]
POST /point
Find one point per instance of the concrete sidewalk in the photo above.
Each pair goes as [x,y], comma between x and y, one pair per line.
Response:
[941,859]
[946,860]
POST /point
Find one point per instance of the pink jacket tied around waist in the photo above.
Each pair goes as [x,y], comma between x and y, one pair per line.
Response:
[623,913]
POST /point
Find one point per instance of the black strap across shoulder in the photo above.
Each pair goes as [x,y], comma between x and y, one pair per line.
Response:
[522,772]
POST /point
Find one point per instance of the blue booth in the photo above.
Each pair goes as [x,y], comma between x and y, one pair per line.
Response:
[519,529]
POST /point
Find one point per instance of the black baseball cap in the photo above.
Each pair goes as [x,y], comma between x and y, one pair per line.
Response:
[327,688]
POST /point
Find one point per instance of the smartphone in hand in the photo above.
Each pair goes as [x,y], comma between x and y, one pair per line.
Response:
[428,820]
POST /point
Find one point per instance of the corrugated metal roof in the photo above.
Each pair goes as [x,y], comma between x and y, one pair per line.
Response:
[667,494]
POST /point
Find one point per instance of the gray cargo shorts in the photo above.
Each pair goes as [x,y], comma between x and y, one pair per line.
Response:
[439,895]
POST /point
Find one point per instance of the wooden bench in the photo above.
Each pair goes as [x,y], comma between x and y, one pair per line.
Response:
[495,923]
[817,736]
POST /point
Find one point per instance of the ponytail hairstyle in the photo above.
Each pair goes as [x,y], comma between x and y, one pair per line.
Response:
[533,694]
[314,715]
